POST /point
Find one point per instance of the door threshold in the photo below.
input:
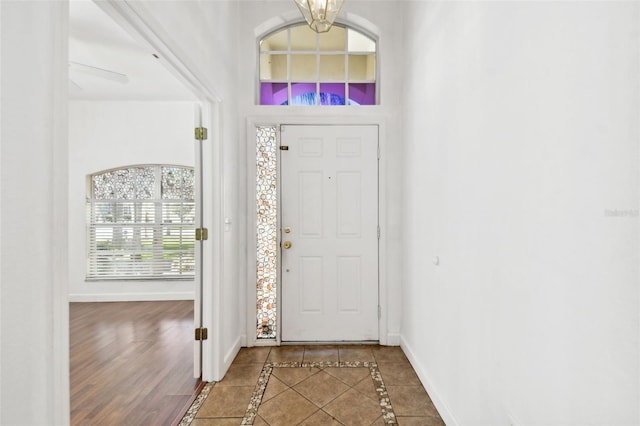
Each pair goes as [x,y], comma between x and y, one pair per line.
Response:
[332,343]
[185,409]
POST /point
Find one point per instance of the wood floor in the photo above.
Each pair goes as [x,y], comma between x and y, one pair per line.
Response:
[131,363]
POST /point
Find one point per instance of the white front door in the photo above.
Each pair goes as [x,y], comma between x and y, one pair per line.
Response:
[329,230]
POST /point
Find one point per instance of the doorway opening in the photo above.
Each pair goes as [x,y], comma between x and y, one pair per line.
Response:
[125,107]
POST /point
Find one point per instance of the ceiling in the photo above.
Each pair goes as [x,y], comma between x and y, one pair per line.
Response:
[106,63]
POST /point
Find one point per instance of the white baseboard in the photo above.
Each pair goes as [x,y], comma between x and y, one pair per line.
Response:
[131,297]
[441,406]
[231,354]
[393,339]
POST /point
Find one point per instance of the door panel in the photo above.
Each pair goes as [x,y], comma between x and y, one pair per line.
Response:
[329,204]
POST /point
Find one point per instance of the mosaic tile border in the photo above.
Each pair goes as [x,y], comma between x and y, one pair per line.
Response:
[388,415]
[197,403]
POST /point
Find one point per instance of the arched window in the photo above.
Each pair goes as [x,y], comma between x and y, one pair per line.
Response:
[301,67]
[141,223]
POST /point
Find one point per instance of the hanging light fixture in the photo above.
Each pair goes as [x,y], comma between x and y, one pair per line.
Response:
[320,14]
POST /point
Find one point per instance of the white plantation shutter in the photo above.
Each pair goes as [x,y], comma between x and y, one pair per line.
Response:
[140,238]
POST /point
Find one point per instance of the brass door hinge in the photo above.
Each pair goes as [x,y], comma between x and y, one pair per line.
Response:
[202,333]
[201,133]
[284,148]
[202,234]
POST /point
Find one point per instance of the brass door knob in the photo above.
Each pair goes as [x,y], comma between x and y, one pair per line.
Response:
[287,244]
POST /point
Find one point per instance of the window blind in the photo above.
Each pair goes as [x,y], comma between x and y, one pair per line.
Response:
[140,239]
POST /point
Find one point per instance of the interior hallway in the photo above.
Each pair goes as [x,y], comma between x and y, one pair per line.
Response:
[131,363]
[317,385]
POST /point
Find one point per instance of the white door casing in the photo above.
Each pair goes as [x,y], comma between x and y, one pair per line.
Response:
[199,245]
[329,205]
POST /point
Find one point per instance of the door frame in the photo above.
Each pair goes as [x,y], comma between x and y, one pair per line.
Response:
[327,120]
[139,23]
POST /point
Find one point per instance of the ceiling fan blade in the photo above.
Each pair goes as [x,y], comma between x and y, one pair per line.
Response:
[99,72]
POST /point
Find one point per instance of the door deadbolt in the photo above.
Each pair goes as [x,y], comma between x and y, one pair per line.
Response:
[287,244]
[287,230]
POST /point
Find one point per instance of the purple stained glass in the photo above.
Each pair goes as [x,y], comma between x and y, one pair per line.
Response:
[303,93]
[362,93]
[273,93]
[332,94]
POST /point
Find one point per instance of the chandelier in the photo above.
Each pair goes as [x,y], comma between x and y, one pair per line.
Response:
[320,14]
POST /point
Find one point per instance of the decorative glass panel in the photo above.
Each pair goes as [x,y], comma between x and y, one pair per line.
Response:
[334,40]
[304,68]
[178,183]
[267,225]
[273,67]
[303,38]
[362,67]
[303,94]
[362,93]
[332,94]
[276,41]
[359,42]
[134,183]
[332,68]
[274,93]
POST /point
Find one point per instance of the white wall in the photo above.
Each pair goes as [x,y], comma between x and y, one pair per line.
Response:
[259,18]
[110,134]
[33,200]
[521,124]
[203,36]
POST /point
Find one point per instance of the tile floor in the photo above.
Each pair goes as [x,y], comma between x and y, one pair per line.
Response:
[318,385]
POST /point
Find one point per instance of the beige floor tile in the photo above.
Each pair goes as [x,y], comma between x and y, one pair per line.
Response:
[241,375]
[321,388]
[379,422]
[411,401]
[320,353]
[355,353]
[256,355]
[320,418]
[226,401]
[420,421]
[389,354]
[274,388]
[368,389]
[259,421]
[286,354]
[319,396]
[293,376]
[288,408]
[353,408]
[349,375]
[398,374]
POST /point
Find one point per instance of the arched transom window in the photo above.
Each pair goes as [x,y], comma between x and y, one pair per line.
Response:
[301,67]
